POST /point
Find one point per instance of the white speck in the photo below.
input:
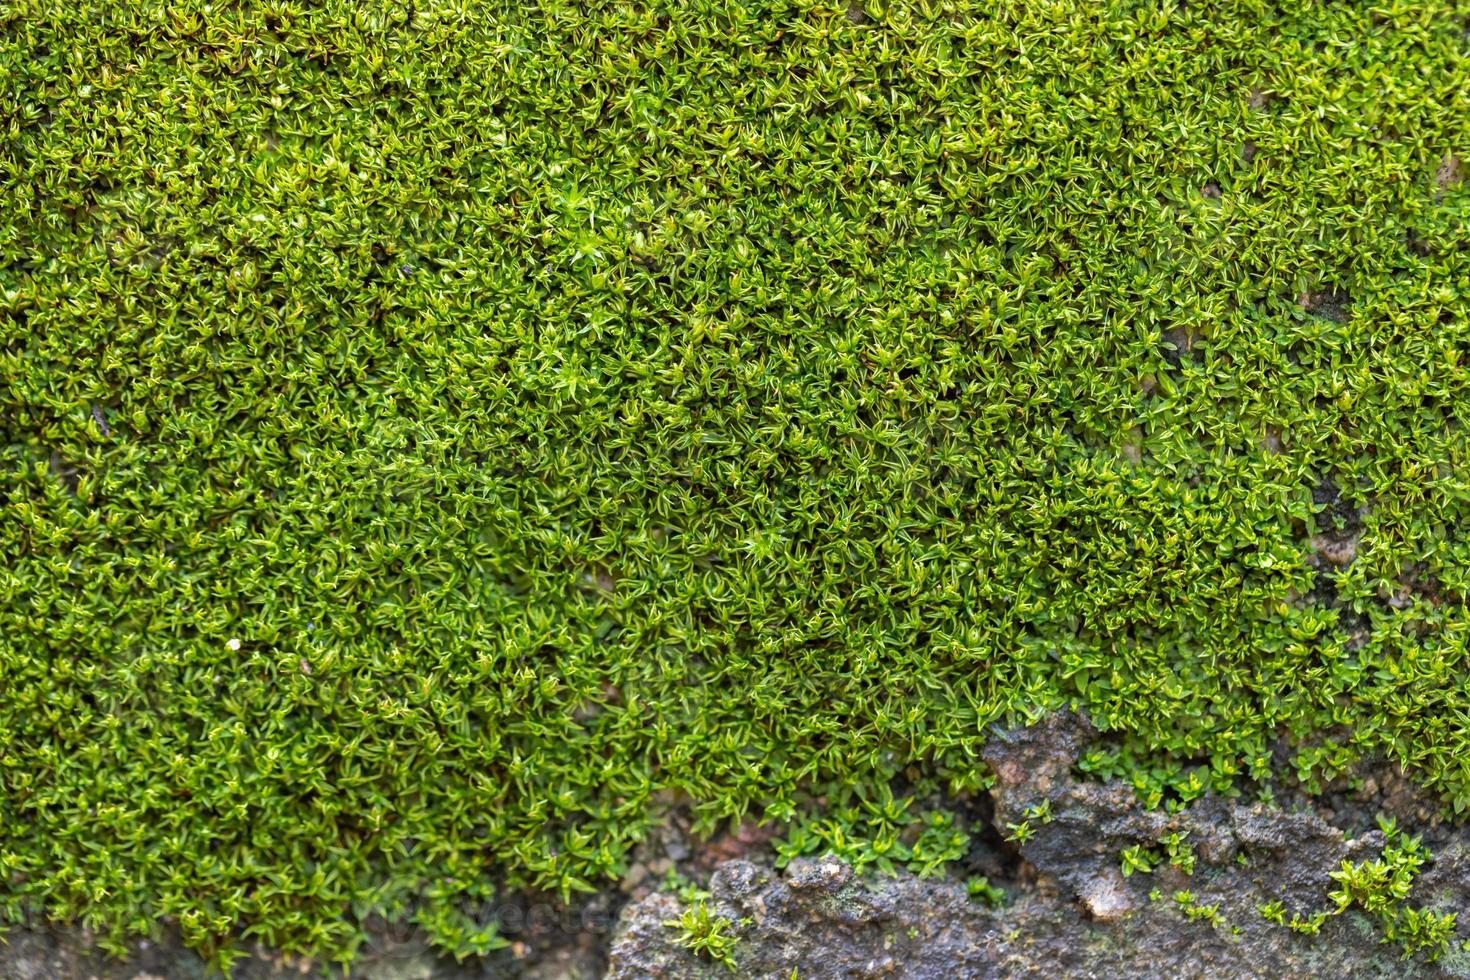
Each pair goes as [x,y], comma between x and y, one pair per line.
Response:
[233,643]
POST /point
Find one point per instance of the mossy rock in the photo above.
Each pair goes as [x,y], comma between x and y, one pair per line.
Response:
[429,431]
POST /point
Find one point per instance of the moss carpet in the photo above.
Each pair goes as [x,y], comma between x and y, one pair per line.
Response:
[430,429]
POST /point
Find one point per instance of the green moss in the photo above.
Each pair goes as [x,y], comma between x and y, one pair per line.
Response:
[1138,858]
[1381,888]
[982,891]
[1194,910]
[429,430]
[881,833]
[704,934]
[1180,852]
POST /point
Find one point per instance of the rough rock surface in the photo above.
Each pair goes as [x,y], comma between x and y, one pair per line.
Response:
[1071,913]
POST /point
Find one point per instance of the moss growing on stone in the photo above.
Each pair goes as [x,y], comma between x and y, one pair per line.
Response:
[428,430]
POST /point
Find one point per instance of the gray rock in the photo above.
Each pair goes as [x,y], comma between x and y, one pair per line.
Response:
[1072,913]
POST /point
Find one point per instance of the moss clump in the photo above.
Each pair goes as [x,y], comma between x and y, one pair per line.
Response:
[1381,888]
[704,934]
[429,430]
[883,834]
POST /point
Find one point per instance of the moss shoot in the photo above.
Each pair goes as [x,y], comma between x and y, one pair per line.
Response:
[428,430]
